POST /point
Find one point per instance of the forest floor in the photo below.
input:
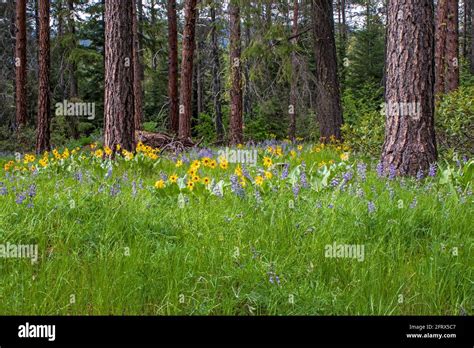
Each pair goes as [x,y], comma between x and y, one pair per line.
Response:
[308,229]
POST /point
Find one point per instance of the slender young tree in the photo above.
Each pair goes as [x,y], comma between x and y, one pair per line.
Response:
[294,68]
[236,122]
[20,64]
[44,101]
[216,80]
[173,67]
[119,126]
[328,100]
[137,81]
[410,144]
[72,67]
[185,95]
[446,47]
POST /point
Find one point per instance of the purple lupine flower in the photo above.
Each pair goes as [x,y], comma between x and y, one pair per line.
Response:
[20,198]
[245,173]
[414,203]
[419,175]
[30,205]
[115,189]
[217,191]
[347,176]
[258,196]
[380,169]
[140,184]
[109,173]
[371,207]
[335,182]
[304,180]
[185,159]
[236,187]
[319,205]
[3,191]
[284,173]
[362,171]
[330,205]
[164,177]
[392,172]
[134,188]
[78,176]
[125,177]
[432,170]
[32,191]
[296,190]
[101,188]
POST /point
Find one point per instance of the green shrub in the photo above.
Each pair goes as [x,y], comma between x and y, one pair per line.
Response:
[366,136]
[150,126]
[455,119]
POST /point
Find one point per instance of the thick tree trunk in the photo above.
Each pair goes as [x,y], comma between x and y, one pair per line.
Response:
[44,101]
[216,80]
[71,67]
[236,122]
[471,7]
[185,95]
[294,80]
[446,47]
[137,82]
[410,143]
[328,100]
[119,126]
[20,64]
[173,67]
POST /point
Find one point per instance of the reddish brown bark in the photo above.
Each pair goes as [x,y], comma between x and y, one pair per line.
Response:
[20,64]
[328,100]
[410,143]
[44,101]
[137,82]
[294,68]
[446,47]
[185,95]
[119,126]
[173,67]
[236,122]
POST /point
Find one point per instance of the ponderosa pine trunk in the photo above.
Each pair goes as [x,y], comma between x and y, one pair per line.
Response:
[185,95]
[410,144]
[328,100]
[20,64]
[119,125]
[72,68]
[446,47]
[294,80]
[236,122]
[137,81]
[216,80]
[173,67]
[471,56]
[44,98]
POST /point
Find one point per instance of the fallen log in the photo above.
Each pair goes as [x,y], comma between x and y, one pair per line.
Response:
[164,141]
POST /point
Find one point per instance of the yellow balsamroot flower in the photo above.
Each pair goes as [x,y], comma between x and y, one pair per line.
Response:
[299,139]
[240,146]
[152,156]
[279,151]
[192,172]
[65,154]
[213,164]
[43,162]
[206,181]
[196,164]
[128,155]
[205,161]
[118,147]
[196,178]
[98,153]
[300,147]
[259,180]
[243,182]
[179,163]
[93,146]
[224,164]
[268,175]
[292,153]
[108,151]
[344,156]
[173,178]
[267,162]
[8,165]
[331,162]
[190,185]
[160,184]
[322,164]
[269,149]
[238,171]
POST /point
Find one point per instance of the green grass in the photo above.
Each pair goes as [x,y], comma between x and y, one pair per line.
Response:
[150,254]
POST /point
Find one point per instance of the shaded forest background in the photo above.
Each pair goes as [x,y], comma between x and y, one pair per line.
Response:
[269,43]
